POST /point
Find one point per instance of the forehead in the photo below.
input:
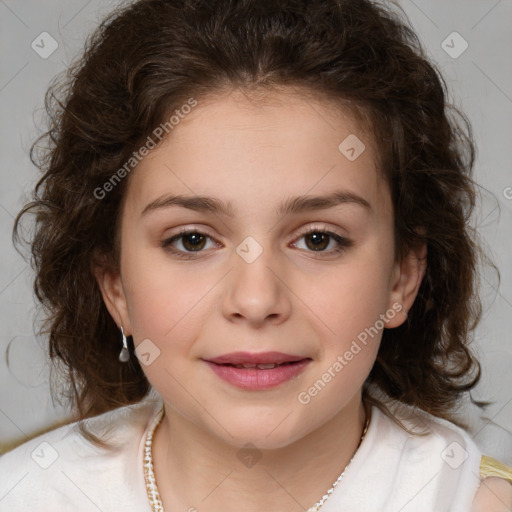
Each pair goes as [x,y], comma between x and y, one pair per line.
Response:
[245,149]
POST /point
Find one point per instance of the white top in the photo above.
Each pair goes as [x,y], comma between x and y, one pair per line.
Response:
[392,470]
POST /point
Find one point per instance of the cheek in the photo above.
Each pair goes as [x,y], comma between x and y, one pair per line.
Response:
[351,311]
[166,313]
[354,298]
[163,302]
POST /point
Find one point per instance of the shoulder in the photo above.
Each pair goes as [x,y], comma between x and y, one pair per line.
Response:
[61,467]
[412,462]
[433,451]
[493,495]
[444,440]
[492,491]
[495,491]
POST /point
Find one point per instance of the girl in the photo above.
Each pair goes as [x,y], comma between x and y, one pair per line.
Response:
[252,242]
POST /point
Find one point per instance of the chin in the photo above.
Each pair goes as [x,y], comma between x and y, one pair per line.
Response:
[270,434]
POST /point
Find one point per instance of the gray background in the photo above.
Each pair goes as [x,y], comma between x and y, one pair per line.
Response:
[480,80]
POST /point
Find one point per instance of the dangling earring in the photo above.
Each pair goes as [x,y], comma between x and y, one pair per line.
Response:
[124,355]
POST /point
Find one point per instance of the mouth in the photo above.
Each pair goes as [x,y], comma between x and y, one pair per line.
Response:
[258,371]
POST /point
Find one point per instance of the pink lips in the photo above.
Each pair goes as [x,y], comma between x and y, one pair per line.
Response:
[257,378]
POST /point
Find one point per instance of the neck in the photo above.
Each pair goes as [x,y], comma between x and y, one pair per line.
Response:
[197,470]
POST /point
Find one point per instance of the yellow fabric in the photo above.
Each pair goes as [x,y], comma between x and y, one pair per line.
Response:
[493,467]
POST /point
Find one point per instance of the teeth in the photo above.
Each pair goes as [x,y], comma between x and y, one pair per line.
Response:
[267,366]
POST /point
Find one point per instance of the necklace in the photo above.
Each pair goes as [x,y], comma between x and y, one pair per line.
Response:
[149,475]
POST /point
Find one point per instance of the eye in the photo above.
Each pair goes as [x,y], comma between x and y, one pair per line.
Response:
[317,240]
[192,241]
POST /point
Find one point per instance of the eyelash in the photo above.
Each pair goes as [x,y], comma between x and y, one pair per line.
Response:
[343,243]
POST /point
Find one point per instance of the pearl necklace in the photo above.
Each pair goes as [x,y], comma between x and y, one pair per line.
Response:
[149,475]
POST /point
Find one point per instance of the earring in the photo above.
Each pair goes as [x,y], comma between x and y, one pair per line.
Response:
[124,355]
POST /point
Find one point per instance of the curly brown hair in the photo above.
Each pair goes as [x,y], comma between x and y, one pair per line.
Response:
[144,61]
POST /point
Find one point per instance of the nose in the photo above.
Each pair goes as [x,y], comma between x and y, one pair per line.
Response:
[256,287]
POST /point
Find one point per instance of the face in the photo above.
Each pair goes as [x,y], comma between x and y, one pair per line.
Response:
[262,273]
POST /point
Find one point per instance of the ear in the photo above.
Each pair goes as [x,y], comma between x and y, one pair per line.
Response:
[406,280]
[111,287]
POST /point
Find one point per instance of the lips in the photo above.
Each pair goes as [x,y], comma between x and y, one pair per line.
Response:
[258,372]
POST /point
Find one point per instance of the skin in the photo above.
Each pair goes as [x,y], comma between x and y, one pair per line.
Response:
[289,299]
[494,495]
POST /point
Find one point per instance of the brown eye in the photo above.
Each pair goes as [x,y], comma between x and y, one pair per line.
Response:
[317,241]
[191,241]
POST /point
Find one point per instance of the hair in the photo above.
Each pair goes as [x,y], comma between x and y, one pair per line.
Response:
[144,62]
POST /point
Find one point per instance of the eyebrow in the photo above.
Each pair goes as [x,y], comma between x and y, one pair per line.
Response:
[290,206]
